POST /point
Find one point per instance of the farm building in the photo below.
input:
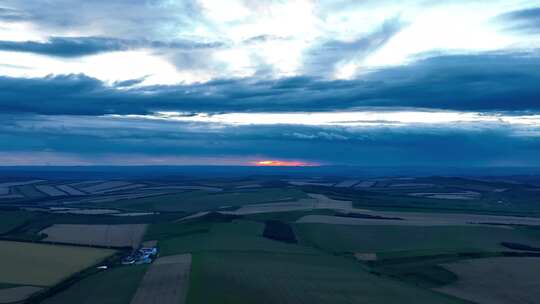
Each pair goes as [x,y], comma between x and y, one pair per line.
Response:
[144,255]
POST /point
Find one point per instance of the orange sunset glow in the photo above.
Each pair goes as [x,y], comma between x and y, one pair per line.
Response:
[281,163]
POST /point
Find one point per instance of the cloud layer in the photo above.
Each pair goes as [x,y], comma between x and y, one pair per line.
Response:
[434,83]
[95,139]
[481,82]
[84,46]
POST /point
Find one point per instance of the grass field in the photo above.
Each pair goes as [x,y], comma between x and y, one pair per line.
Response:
[232,261]
[239,277]
[113,286]
[241,266]
[495,197]
[29,191]
[235,236]
[414,254]
[44,265]
[499,280]
[7,285]
[396,241]
[525,206]
[17,294]
[194,201]
[289,216]
[165,282]
[42,220]
[97,235]
[12,219]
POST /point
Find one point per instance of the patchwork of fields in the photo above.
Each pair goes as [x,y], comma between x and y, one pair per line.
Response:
[30,268]
[261,240]
[243,267]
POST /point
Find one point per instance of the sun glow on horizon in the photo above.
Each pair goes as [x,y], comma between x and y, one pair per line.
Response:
[282,163]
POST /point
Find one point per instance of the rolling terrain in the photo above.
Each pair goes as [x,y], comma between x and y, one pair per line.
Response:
[261,239]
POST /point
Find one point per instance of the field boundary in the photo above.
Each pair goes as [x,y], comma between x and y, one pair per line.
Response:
[165,282]
[71,280]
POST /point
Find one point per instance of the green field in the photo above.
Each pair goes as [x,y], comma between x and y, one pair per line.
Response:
[240,236]
[290,216]
[42,220]
[396,241]
[5,285]
[516,199]
[29,191]
[10,220]
[113,286]
[423,271]
[414,254]
[194,201]
[489,204]
[233,263]
[237,277]
[44,265]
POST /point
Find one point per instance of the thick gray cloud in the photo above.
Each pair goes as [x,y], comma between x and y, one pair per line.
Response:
[483,82]
[82,46]
[67,114]
[386,146]
[66,47]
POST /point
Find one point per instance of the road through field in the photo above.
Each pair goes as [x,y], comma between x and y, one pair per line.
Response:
[166,282]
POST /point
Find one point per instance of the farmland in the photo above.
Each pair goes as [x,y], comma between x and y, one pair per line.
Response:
[392,240]
[96,235]
[17,293]
[10,220]
[265,239]
[234,256]
[44,265]
[496,280]
[367,217]
[269,277]
[166,281]
[199,200]
[228,236]
[115,286]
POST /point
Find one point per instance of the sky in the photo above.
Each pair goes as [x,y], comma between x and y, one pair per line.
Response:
[255,82]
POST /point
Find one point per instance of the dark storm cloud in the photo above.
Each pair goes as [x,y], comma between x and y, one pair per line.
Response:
[65,47]
[526,20]
[414,145]
[83,46]
[129,82]
[483,82]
